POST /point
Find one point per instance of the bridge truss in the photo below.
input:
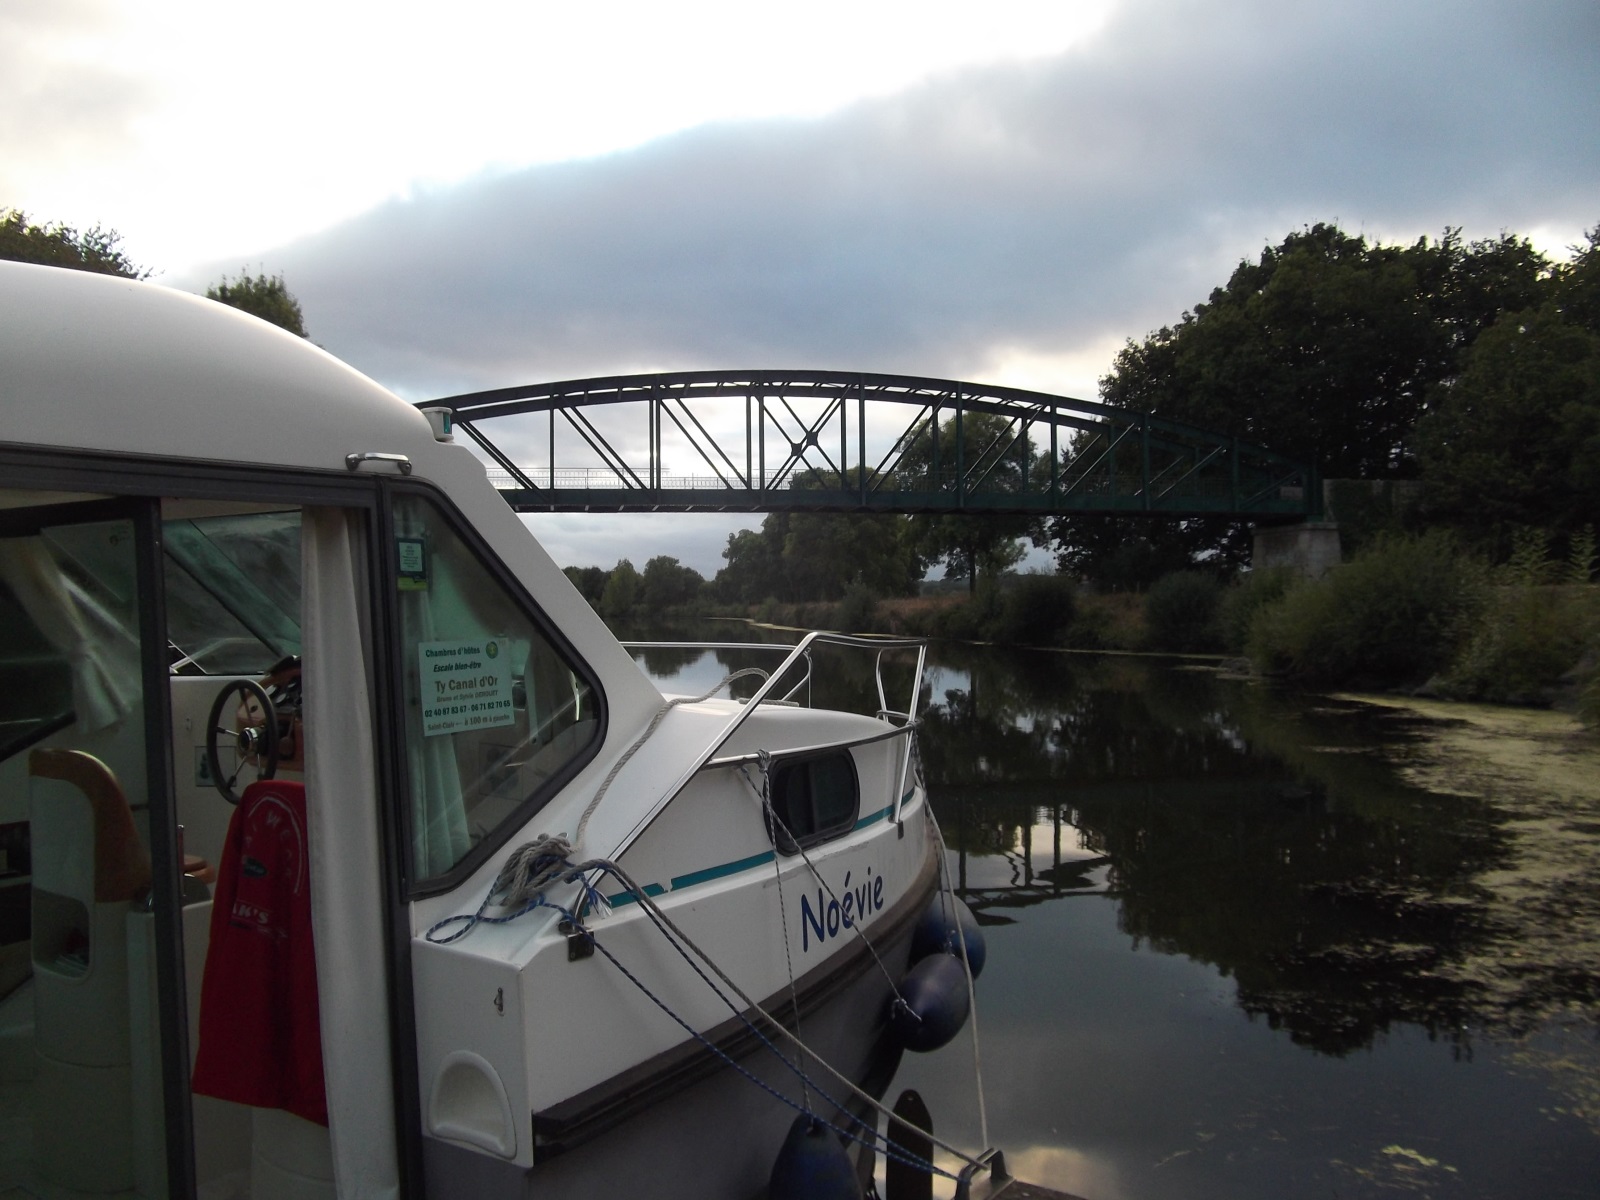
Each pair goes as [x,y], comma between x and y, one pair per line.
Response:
[837,441]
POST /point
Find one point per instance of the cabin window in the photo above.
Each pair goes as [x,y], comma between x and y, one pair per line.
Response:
[498,713]
[814,799]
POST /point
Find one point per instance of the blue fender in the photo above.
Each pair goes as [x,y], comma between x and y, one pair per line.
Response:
[812,1165]
[936,932]
[932,1005]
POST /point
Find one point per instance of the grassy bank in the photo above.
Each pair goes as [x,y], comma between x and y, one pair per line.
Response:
[1030,610]
[1413,615]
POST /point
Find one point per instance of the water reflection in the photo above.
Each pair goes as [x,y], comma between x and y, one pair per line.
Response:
[1206,894]
[841,677]
[1266,834]
[1242,828]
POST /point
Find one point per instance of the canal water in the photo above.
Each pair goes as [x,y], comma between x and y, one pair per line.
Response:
[1233,952]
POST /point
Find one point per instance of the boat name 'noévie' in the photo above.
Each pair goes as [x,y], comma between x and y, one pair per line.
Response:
[831,917]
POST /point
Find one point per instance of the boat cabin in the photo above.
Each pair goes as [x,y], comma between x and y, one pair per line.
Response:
[284,686]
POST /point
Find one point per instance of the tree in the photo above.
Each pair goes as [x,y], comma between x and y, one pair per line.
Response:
[667,583]
[1515,441]
[754,564]
[995,459]
[825,554]
[265,296]
[817,556]
[1129,554]
[590,581]
[621,596]
[1575,285]
[96,249]
[1327,349]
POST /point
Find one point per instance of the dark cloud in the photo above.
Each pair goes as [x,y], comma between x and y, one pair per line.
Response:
[1046,206]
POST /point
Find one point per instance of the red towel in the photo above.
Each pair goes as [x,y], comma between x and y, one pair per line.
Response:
[260,1036]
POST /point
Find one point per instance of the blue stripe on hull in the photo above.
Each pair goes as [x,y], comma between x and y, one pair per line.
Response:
[733,868]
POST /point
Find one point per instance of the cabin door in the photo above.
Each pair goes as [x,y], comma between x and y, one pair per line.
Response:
[121,623]
[294,1091]
[91,904]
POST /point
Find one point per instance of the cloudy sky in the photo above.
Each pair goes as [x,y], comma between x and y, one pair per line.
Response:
[485,193]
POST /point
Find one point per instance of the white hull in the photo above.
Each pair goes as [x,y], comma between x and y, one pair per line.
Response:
[685,1125]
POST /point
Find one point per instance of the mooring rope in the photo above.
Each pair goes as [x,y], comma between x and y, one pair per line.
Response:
[783,913]
[648,903]
[681,942]
[764,794]
[888,1148]
[972,995]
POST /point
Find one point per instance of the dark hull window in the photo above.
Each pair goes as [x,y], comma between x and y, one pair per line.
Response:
[814,799]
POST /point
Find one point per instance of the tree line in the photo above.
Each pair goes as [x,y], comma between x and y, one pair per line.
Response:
[1467,371]
[1470,370]
[99,250]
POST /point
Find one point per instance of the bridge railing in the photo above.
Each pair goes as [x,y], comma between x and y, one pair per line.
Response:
[851,442]
[571,479]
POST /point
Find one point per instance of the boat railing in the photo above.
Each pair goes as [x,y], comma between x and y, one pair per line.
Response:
[903,720]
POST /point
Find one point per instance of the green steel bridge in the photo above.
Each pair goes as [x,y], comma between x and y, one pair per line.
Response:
[841,441]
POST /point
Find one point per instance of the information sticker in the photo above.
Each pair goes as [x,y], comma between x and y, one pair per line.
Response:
[412,556]
[465,685]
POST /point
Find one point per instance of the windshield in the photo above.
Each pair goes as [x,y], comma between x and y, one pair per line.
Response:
[233,592]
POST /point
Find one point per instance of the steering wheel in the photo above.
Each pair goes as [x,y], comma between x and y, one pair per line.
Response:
[257,741]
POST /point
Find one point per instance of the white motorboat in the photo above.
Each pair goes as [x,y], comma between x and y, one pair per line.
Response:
[492,916]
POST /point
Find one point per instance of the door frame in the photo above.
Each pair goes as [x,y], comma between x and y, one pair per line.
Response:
[135,487]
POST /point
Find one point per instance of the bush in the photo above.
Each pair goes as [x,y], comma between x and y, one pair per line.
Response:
[972,619]
[1035,612]
[1527,638]
[858,611]
[1393,615]
[1240,603]
[1589,698]
[1091,629]
[1180,611]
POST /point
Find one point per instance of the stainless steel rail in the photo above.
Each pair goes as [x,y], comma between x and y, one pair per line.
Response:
[795,654]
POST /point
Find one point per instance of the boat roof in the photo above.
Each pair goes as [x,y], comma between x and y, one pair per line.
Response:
[99,362]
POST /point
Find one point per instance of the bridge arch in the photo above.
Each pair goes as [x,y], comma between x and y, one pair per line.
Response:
[848,441]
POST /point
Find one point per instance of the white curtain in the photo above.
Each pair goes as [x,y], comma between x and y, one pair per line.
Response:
[439,834]
[103,692]
[348,900]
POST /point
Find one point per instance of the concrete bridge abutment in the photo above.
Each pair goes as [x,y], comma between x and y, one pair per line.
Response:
[1363,506]
[1310,549]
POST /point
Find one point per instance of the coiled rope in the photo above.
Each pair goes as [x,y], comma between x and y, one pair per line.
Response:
[535,866]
